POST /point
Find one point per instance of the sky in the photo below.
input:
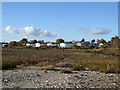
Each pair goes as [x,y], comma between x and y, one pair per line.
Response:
[52,20]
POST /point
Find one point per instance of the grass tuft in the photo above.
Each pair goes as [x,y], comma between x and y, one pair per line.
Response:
[77,67]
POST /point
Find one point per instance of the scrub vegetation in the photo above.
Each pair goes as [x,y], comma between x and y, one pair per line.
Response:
[103,59]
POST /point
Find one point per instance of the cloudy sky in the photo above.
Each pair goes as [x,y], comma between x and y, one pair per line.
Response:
[49,21]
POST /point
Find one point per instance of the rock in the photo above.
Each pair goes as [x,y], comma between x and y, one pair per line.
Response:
[46,81]
[41,79]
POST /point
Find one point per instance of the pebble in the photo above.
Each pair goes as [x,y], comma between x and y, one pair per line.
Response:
[50,79]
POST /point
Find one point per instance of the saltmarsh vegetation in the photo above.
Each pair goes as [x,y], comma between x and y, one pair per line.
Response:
[8,65]
[106,66]
[103,60]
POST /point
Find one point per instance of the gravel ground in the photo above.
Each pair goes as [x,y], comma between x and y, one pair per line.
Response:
[33,78]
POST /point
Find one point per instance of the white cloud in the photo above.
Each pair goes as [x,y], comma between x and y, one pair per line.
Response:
[62,25]
[30,31]
[98,31]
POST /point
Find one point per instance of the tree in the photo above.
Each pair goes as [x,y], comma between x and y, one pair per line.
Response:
[93,40]
[112,39]
[60,41]
[83,40]
[13,43]
[115,41]
[102,41]
[19,44]
[34,41]
[40,41]
[98,41]
[24,40]
[108,42]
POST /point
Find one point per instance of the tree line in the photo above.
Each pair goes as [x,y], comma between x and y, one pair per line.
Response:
[115,41]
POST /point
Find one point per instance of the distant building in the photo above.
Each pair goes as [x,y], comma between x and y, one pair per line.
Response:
[53,44]
[79,44]
[30,44]
[40,44]
[3,44]
[93,44]
[66,45]
[49,44]
[85,44]
[36,44]
[101,44]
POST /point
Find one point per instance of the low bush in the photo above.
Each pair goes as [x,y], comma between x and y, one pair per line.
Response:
[110,69]
[31,62]
[77,67]
[107,66]
[19,62]
[7,65]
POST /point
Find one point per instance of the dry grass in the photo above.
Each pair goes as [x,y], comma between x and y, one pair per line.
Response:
[43,63]
[49,67]
[31,62]
[77,67]
[64,64]
[47,59]
[33,54]
[107,66]
[7,65]
[107,51]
